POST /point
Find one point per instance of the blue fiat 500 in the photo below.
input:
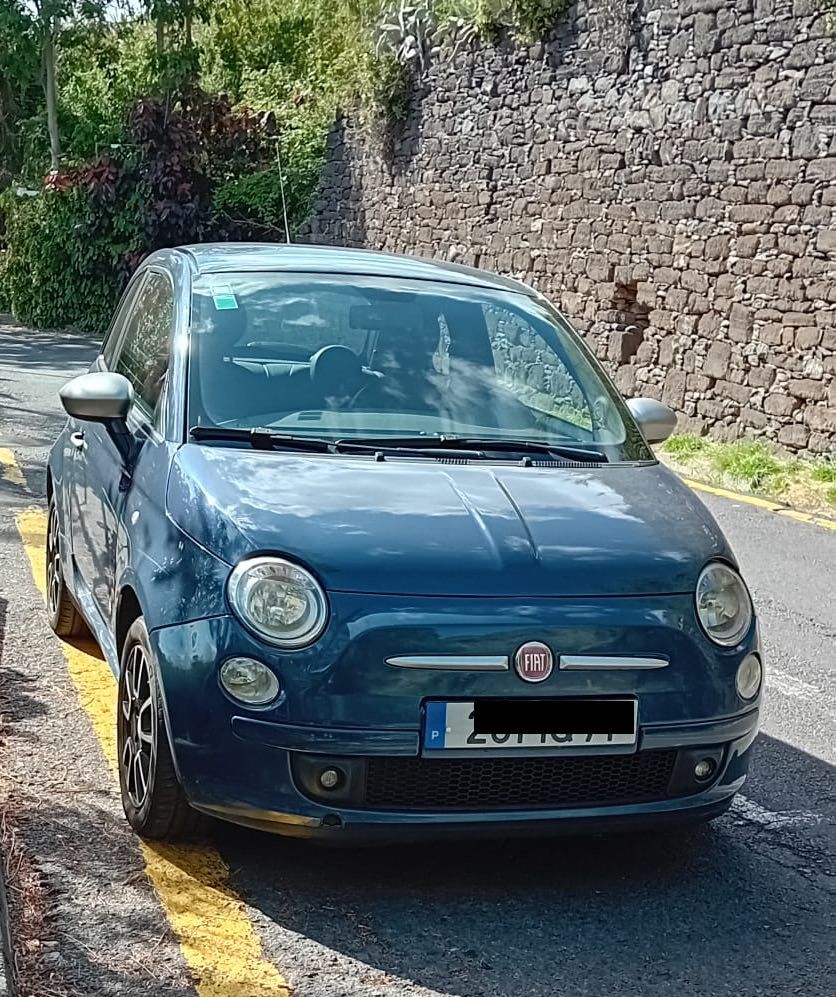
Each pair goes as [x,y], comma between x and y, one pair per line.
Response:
[376,550]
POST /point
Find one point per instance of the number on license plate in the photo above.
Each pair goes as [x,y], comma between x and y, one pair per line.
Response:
[452,726]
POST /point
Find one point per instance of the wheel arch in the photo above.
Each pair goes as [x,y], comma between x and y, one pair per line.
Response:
[128,609]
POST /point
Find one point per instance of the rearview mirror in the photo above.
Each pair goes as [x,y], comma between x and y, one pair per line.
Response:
[382,316]
[98,397]
[655,420]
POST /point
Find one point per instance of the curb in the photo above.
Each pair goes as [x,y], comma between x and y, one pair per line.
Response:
[779,508]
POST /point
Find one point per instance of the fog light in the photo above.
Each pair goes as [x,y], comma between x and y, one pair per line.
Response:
[249,681]
[704,769]
[749,675]
[329,778]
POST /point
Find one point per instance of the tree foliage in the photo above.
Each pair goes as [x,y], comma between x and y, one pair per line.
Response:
[183,120]
[72,248]
[20,88]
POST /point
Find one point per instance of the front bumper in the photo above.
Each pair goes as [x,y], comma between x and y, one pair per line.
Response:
[259,768]
[307,811]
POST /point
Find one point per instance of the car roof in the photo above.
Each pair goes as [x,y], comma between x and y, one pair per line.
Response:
[231,257]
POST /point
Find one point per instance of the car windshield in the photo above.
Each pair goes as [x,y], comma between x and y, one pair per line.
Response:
[347,357]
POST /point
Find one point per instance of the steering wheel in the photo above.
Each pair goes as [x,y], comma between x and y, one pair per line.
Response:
[336,372]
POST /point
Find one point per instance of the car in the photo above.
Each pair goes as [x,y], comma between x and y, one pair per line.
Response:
[378,553]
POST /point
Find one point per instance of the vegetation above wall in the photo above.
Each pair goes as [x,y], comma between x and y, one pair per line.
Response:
[113,103]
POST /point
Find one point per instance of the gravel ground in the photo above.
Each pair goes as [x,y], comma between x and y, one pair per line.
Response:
[93,924]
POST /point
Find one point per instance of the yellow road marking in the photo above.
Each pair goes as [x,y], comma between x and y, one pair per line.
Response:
[217,938]
[776,507]
[808,517]
[10,469]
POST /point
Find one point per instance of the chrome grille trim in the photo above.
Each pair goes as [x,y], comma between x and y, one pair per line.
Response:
[452,662]
[592,662]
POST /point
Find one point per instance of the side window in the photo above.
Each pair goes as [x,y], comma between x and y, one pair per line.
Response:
[144,354]
[114,333]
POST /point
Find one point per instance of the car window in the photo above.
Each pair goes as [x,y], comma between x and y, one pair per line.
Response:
[298,327]
[144,352]
[114,333]
[531,369]
[324,356]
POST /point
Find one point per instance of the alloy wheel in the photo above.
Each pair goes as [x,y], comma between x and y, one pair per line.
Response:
[53,564]
[139,727]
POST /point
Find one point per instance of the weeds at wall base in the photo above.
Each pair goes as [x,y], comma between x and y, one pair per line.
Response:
[755,466]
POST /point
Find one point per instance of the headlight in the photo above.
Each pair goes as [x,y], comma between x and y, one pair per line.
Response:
[723,604]
[280,601]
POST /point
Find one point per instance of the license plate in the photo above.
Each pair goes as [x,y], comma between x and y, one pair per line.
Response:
[469,725]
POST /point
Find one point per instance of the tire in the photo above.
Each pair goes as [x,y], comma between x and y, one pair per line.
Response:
[64,618]
[152,797]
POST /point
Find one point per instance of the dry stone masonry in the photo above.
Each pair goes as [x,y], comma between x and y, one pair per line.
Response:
[664,170]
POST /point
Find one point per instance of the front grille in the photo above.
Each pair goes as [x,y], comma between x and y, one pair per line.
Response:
[517,783]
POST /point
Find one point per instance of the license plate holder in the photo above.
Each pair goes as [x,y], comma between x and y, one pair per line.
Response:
[450,726]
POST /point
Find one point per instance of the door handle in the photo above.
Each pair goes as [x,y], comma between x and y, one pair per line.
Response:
[77,440]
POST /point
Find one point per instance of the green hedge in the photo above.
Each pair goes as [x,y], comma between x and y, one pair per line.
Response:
[66,260]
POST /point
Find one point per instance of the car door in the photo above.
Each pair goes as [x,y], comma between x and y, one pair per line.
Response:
[81,436]
[141,354]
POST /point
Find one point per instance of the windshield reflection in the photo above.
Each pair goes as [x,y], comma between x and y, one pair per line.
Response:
[375,357]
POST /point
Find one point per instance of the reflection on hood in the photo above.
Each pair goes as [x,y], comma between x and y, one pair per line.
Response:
[422,528]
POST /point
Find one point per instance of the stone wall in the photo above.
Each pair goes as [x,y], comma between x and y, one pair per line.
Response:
[665,170]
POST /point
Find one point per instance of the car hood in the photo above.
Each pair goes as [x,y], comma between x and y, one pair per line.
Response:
[422,527]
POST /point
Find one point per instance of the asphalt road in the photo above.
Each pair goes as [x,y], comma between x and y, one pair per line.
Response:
[745,907]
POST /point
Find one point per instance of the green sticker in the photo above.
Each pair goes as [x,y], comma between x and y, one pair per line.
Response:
[223,297]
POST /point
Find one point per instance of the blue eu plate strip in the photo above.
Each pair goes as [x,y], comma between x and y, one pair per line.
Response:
[435,727]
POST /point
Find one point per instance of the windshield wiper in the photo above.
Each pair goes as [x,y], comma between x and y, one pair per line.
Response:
[403,448]
[263,439]
[464,446]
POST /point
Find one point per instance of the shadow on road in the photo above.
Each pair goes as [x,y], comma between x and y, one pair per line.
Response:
[640,914]
[112,945]
[42,351]
[33,366]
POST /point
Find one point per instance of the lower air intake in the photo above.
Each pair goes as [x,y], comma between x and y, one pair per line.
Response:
[463,784]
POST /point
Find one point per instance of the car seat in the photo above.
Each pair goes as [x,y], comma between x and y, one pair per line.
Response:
[403,357]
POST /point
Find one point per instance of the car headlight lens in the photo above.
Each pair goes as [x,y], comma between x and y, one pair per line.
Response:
[249,681]
[723,604]
[280,601]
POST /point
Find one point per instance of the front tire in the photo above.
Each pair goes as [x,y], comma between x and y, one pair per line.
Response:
[152,797]
[64,619]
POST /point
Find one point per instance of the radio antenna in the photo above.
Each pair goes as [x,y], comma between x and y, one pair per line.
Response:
[281,188]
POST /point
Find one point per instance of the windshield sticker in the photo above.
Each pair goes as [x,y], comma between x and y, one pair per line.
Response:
[223,297]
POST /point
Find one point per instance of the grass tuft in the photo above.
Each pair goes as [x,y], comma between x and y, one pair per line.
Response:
[684,446]
[826,472]
[756,466]
[751,464]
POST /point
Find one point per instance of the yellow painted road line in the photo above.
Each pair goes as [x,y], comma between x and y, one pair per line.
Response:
[808,517]
[10,469]
[217,938]
[776,507]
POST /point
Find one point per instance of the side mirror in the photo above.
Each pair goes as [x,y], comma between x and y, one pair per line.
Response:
[655,420]
[98,397]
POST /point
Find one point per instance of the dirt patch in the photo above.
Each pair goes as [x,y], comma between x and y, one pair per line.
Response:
[32,942]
